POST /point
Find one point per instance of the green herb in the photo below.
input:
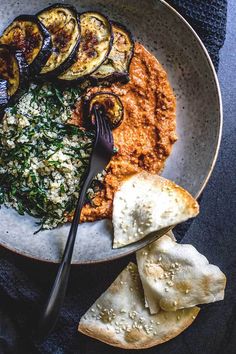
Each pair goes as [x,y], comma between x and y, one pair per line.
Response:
[42,158]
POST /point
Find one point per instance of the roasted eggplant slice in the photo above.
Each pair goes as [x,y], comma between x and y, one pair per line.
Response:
[3,96]
[116,66]
[63,24]
[29,35]
[13,69]
[107,101]
[95,46]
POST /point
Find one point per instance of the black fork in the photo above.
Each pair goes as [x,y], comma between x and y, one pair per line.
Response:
[100,157]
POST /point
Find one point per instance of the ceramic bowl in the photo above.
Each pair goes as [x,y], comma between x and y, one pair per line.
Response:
[199,121]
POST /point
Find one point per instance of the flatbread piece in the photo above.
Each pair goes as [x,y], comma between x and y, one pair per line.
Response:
[119,317]
[146,203]
[176,276]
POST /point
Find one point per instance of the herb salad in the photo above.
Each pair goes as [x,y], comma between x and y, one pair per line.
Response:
[42,158]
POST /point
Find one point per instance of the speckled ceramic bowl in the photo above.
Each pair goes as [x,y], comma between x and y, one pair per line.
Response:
[199,120]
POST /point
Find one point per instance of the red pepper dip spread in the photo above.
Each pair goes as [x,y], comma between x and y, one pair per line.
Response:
[147,133]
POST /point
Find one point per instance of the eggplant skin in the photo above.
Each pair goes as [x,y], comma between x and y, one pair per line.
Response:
[13,69]
[3,95]
[109,102]
[117,65]
[29,35]
[95,46]
[63,23]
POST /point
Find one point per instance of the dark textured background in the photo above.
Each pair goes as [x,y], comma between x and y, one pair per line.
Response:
[213,233]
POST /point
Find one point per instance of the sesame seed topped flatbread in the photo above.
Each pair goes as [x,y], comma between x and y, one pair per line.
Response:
[146,203]
[176,276]
[119,317]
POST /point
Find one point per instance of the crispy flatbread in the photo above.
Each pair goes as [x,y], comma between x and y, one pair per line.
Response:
[176,276]
[119,317]
[146,203]
[172,236]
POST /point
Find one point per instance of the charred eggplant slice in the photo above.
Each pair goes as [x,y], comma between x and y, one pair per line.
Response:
[29,35]
[110,103]
[3,96]
[95,46]
[63,24]
[116,66]
[13,69]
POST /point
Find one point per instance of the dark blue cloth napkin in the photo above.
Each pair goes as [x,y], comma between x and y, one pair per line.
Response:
[24,284]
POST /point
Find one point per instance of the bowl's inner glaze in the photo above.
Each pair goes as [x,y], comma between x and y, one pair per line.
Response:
[160,29]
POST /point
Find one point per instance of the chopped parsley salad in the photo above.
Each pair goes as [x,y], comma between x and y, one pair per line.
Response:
[42,157]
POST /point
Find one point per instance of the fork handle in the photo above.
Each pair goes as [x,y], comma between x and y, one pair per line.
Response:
[58,291]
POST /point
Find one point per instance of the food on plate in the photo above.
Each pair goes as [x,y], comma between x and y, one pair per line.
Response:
[141,112]
[29,35]
[176,276]
[119,317]
[13,69]
[43,158]
[116,66]
[147,133]
[109,103]
[3,94]
[63,24]
[96,42]
[146,203]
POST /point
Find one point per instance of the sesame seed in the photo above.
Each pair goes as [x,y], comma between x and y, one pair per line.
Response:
[166,290]
[170,283]
[175,303]
[186,291]
[193,317]
[178,318]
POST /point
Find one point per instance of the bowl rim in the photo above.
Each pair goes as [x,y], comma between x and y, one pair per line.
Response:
[149,239]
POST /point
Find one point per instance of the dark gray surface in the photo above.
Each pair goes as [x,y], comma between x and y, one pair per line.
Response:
[213,232]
